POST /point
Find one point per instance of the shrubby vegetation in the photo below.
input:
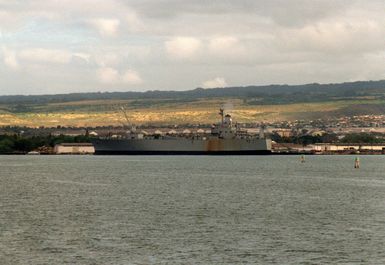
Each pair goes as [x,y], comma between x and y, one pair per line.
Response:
[251,103]
[305,139]
[367,138]
[16,144]
[363,138]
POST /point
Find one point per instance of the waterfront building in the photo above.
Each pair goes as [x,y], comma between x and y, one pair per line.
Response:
[74,148]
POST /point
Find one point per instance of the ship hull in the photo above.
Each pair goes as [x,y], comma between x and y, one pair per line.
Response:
[114,152]
[182,147]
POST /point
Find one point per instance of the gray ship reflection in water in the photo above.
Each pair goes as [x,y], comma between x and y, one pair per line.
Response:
[226,138]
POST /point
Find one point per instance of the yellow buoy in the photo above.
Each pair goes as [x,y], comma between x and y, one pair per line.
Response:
[357,163]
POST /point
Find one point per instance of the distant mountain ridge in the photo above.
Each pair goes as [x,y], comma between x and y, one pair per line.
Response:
[270,94]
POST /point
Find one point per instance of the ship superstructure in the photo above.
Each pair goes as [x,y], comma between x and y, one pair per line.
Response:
[225,138]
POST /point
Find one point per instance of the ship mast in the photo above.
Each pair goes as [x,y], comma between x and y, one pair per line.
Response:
[221,112]
[127,124]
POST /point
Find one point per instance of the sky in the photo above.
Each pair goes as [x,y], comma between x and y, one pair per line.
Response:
[65,46]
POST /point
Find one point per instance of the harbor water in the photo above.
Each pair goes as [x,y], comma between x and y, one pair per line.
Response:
[192,210]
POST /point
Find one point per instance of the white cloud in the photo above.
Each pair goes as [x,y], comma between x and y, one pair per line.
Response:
[213,83]
[336,36]
[10,60]
[8,20]
[180,43]
[106,58]
[109,75]
[227,46]
[183,47]
[13,59]
[133,22]
[132,77]
[83,56]
[45,55]
[107,27]
[223,42]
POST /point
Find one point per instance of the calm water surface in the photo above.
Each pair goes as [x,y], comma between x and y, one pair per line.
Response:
[192,210]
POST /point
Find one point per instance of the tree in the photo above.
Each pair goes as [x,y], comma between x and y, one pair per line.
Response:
[6,146]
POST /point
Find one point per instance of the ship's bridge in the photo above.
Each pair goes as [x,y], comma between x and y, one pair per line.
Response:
[226,129]
[228,121]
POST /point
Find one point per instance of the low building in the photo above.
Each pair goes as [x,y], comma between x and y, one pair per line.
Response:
[291,148]
[317,132]
[341,147]
[283,132]
[93,133]
[74,148]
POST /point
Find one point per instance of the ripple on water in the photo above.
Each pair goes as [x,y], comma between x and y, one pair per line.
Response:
[192,210]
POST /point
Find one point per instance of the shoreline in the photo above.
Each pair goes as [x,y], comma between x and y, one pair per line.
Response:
[271,154]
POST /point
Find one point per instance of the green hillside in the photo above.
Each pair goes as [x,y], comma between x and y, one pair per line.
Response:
[248,104]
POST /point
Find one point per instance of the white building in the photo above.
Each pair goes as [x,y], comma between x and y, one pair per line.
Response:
[345,147]
[74,148]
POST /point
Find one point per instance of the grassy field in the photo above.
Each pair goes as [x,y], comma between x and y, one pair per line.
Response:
[158,112]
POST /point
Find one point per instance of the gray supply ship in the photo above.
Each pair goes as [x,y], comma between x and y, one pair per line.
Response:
[226,138]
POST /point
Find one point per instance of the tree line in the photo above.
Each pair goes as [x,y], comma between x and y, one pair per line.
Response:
[357,138]
[18,144]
